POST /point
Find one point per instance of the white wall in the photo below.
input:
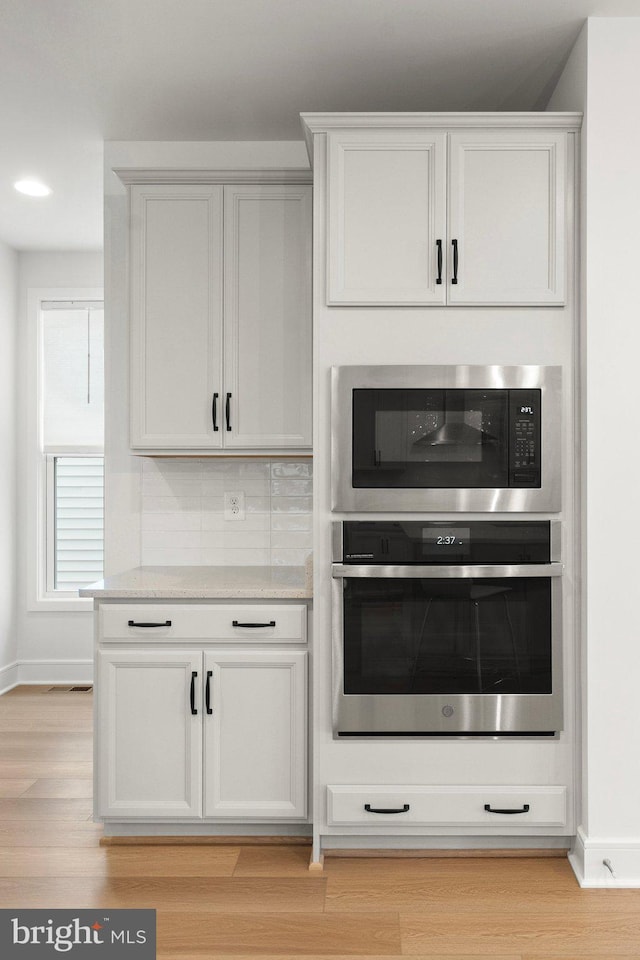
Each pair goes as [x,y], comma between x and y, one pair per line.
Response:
[53,647]
[123,473]
[8,331]
[608,91]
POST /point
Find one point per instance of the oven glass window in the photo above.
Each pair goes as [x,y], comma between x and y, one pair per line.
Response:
[430,438]
[429,636]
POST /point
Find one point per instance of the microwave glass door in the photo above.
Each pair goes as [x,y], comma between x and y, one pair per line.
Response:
[405,438]
[447,636]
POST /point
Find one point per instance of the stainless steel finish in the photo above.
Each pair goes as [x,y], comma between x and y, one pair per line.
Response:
[443,572]
[469,713]
[345,498]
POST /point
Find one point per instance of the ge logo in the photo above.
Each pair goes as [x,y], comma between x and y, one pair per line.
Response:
[447,711]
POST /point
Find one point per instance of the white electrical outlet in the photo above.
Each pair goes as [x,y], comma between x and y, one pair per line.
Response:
[234,506]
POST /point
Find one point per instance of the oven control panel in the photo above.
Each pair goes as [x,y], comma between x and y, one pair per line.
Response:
[524,446]
[446,542]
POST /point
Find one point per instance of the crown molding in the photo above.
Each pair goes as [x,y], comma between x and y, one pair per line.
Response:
[131,175]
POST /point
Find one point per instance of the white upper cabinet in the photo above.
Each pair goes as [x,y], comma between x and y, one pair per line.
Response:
[387,210]
[220,317]
[507,217]
[426,216]
[267,326]
[176,314]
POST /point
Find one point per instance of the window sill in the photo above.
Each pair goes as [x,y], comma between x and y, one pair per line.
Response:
[61,605]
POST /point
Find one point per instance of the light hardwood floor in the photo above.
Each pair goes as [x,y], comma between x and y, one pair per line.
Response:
[255,901]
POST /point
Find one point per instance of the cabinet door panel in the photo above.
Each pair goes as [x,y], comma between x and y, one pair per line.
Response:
[507,213]
[255,739]
[150,744]
[176,315]
[267,325]
[387,201]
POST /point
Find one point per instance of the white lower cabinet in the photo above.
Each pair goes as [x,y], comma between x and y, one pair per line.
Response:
[187,733]
[503,807]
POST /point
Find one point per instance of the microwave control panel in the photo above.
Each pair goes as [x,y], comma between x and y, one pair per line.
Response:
[524,446]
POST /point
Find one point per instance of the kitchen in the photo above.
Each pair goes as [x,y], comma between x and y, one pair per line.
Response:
[604,769]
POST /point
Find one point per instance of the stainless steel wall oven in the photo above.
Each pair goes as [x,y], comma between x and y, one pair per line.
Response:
[447,628]
[441,438]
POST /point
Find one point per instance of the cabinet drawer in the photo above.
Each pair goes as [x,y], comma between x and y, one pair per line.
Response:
[283,623]
[447,806]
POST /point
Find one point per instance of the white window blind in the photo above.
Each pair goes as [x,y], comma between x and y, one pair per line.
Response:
[78,535]
[72,429]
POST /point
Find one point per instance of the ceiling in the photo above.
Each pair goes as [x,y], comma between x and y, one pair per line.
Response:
[74,73]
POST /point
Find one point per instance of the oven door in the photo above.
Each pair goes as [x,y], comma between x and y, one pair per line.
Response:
[447,650]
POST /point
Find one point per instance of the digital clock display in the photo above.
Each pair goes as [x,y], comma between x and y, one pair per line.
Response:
[446,541]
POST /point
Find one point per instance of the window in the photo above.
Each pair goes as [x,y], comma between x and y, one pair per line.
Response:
[70,432]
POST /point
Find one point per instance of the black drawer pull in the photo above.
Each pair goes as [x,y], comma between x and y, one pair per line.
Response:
[439,248]
[227,411]
[523,809]
[192,692]
[132,623]
[207,692]
[214,412]
[454,244]
[236,623]
[403,809]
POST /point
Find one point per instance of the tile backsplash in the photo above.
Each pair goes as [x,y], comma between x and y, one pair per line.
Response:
[182,511]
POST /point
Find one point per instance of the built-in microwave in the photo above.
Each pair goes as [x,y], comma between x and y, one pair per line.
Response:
[441,438]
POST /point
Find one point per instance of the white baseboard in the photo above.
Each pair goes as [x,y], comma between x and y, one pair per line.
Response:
[55,671]
[587,858]
[9,677]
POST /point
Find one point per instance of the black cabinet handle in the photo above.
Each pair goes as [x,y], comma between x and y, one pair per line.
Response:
[192,692]
[227,411]
[207,692]
[454,244]
[403,809]
[439,246]
[236,623]
[523,809]
[132,623]
[214,412]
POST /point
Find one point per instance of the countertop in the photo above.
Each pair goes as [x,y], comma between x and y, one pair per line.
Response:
[204,583]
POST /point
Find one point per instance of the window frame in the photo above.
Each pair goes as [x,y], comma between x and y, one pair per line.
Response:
[40,515]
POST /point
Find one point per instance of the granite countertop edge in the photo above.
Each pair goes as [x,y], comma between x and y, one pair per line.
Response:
[205,583]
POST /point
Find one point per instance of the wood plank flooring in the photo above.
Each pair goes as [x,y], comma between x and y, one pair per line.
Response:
[237,902]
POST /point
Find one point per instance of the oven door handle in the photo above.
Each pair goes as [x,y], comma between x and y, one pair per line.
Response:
[341,571]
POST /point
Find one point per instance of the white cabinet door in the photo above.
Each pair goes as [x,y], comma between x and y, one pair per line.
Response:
[255,736]
[267,324]
[386,216]
[149,744]
[176,315]
[507,217]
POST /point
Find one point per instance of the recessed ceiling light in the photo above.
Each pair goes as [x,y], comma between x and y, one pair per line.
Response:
[32,188]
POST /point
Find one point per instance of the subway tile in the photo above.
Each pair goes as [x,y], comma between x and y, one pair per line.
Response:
[172,558]
[171,504]
[171,487]
[257,504]
[214,520]
[295,539]
[291,521]
[292,487]
[172,540]
[291,504]
[248,539]
[236,557]
[175,520]
[289,558]
[288,468]
[213,486]
[250,486]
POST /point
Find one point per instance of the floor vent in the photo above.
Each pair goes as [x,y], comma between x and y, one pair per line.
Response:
[69,689]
